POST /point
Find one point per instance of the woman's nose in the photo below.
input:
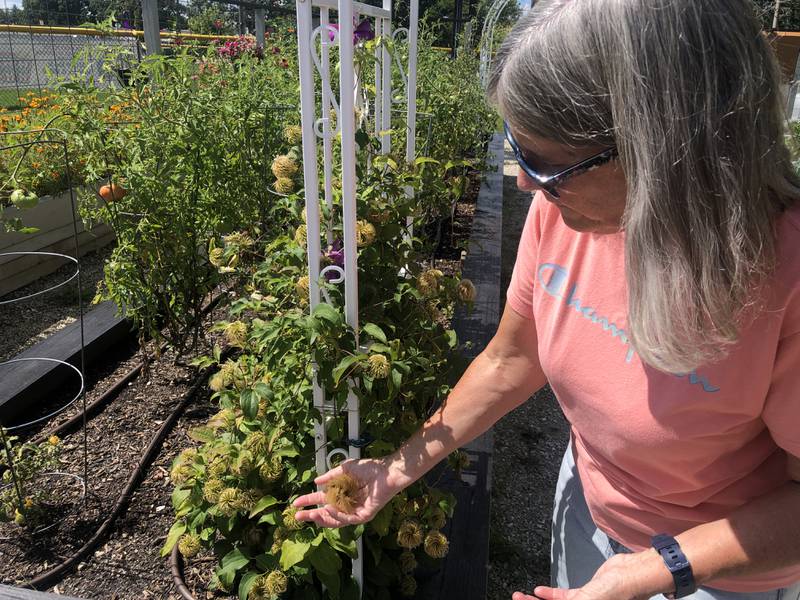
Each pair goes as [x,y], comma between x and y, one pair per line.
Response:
[525,183]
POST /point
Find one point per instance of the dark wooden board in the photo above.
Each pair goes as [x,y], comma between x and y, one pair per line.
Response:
[13,593]
[464,572]
[24,384]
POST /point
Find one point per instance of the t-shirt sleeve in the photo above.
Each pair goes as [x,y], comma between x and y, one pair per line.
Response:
[782,408]
[520,291]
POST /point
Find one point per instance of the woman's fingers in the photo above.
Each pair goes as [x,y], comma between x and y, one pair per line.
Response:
[309,500]
[319,516]
[334,472]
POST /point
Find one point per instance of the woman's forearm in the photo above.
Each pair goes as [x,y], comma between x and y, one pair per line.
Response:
[492,386]
[758,537]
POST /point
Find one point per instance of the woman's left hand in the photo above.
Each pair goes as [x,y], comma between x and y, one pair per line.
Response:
[636,576]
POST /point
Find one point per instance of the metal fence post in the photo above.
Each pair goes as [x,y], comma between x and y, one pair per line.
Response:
[152,34]
[261,17]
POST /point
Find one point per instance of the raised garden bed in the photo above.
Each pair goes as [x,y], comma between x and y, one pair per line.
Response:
[53,217]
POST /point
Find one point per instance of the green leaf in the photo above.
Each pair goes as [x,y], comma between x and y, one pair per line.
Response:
[397,378]
[179,496]
[325,559]
[375,331]
[347,362]
[331,581]
[380,523]
[249,403]
[175,533]
[452,338]
[263,504]
[327,313]
[202,434]
[246,584]
[293,553]
[341,541]
[231,563]
[262,390]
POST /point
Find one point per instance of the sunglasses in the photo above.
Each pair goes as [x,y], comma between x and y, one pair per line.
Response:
[549,183]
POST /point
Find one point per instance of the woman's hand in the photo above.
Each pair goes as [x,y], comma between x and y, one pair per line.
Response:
[378,482]
[636,576]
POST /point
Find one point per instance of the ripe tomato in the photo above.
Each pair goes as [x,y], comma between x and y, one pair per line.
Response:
[112,192]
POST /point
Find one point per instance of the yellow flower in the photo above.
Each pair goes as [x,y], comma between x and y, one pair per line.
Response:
[409,535]
[436,544]
[284,166]
[53,440]
[189,545]
[365,233]
[466,290]
[378,366]
[301,235]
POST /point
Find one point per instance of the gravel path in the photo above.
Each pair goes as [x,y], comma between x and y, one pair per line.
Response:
[529,443]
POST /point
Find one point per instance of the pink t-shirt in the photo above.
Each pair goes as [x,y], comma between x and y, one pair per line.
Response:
[657,452]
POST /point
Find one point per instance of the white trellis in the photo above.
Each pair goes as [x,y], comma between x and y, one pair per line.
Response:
[314,53]
[487,38]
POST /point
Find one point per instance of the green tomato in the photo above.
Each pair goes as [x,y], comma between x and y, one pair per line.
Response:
[24,200]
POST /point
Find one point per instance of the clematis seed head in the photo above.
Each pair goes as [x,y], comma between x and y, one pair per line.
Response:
[342,492]
[409,535]
[436,544]
[189,545]
[378,366]
[284,167]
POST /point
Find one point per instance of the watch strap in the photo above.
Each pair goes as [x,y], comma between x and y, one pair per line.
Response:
[677,564]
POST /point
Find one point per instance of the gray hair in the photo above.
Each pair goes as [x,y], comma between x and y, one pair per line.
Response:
[690,92]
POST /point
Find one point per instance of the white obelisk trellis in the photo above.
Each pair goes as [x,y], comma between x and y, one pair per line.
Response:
[487,38]
[314,53]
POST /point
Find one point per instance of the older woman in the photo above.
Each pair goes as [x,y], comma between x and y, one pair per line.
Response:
[657,290]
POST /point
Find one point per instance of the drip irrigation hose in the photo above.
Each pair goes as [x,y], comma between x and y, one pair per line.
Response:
[176,567]
[44,580]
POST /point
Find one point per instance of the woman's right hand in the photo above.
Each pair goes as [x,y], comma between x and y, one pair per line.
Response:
[378,483]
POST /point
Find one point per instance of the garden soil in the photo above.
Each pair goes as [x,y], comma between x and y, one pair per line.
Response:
[528,446]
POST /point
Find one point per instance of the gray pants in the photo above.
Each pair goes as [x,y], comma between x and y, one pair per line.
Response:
[578,547]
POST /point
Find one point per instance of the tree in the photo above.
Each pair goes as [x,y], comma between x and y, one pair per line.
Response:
[788,15]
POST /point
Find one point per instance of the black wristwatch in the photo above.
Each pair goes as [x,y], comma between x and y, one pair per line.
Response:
[678,565]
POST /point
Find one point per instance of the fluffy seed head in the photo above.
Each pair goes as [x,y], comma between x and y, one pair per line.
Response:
[284,167]
[408,561]
[257,443]
[180,473]
[277,582]
[189,545]
[436,544]
[289,522]
[212,490]
[293,134]
[244,464]
[466,290]
[365,233]
[409,535]
[301,235]
[437,519]
[342,492]
[229,501]
[301,289]
[378,366]
[408,586]
[271,470]
[428,282]
[238,239]
[284,185]
[259,590]
[236,334]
